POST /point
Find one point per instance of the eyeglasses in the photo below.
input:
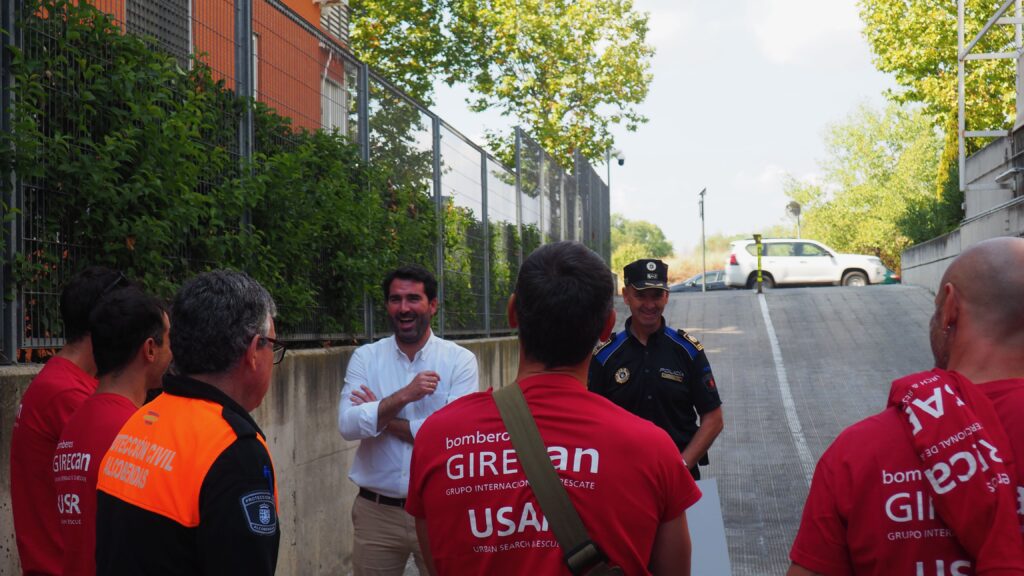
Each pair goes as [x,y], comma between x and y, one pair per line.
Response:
[121,279]
[279,348]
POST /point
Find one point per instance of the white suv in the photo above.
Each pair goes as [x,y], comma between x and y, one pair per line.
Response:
[790,261]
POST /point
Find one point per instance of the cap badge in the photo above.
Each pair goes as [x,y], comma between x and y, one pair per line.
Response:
[622,375]
[652,266]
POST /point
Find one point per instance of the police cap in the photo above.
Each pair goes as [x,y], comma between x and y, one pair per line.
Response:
[647,273]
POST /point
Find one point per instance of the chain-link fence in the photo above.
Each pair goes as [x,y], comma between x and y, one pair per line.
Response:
[450,205]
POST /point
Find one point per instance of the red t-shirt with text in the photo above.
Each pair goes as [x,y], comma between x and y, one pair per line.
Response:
[52,397]
[869,511]
[623,474]
[76,464]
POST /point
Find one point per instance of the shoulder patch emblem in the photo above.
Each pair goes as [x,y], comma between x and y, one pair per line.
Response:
[260,513]
[709,380]
[600,345]
[692,340]
[622,375]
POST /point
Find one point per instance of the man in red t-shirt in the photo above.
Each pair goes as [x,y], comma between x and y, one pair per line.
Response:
[877,502]
[131,346]
[52,397]
[475,512]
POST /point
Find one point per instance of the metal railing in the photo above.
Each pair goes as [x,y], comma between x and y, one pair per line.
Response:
[489,215]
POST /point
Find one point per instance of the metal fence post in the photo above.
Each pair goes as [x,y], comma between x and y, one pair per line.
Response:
[519,193]
[606,223]
[363,137]
[363,109]
[244,85]
[10,333]
[439,206]
[563,206]
[487,243]
[542,186]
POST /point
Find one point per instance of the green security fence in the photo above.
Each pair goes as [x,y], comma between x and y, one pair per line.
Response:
[124,144]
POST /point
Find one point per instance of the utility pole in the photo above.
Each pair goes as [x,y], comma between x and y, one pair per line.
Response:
[704,245]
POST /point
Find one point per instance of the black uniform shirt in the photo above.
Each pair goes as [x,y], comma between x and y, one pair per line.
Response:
[236,534]
[668,381]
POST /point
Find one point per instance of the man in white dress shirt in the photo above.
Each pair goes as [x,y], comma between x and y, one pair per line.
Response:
[391,387]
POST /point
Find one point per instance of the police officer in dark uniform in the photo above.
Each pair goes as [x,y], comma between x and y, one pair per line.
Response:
[659,373]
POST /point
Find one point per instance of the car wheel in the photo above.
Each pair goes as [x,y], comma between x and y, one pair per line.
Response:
[767,282]
[855,279]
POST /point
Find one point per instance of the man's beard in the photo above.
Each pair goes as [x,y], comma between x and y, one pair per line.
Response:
[413,335]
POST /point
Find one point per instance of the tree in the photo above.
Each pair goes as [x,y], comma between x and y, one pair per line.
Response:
[877,195]
[916,41]
[645,236]
[567,69]
[404,40]
[626,253]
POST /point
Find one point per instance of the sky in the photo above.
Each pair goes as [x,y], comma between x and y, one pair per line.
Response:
[742,95]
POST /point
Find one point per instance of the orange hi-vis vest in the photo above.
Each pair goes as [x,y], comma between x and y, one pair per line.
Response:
[159,460]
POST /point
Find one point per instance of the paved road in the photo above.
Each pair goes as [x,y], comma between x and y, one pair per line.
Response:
[839,349]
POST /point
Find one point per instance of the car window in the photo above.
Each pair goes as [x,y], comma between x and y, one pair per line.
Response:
[778,249]
[715,276]
[806,249]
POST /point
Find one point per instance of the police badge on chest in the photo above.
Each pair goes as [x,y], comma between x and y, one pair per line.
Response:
[622,375]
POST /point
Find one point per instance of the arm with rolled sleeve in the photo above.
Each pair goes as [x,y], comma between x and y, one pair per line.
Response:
[465,380]
[356,422]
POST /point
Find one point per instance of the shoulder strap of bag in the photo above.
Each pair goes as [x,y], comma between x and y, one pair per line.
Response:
[581,553]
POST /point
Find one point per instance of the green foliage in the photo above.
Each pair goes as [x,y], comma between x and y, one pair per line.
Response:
[129,161]
[646,236]
[623,254]
[916,41]
[531,239]
[463,268]
[404,40]
[567,69]
[878,189]
[505,246]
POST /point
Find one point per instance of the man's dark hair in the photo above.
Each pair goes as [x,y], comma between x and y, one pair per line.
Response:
[214,317]
[563,298]
[414,273]
[80,296]
[120,324]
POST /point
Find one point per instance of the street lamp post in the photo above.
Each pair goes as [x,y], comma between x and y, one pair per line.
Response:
[704,246]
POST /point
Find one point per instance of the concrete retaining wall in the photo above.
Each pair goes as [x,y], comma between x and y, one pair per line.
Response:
[299,416]
[925,263]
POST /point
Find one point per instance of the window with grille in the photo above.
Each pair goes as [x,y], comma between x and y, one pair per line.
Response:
[166,21]
[333,106]
[334,19]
